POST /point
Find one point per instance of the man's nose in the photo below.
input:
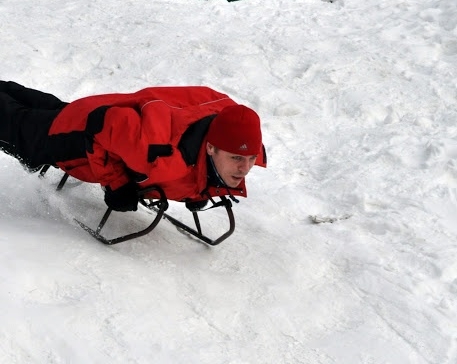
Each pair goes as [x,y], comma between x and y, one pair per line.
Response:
[244,166]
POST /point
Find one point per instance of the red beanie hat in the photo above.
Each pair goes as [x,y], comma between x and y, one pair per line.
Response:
[236,129]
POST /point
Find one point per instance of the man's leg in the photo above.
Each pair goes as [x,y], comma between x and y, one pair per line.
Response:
[10,110]
[31,98]
[24,130]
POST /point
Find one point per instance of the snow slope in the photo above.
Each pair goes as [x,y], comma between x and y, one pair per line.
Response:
[359,107]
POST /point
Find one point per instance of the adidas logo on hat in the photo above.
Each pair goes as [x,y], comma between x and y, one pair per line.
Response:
[243,147]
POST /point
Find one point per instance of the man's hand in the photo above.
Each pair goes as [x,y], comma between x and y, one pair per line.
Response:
[125,198]
[196,205]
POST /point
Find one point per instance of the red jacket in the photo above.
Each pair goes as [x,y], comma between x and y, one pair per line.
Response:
[158,133]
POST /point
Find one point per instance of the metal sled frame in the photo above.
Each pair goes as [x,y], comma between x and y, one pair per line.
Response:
[159,206]
[198,233]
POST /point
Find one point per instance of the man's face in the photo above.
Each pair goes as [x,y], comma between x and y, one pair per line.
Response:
[232,168]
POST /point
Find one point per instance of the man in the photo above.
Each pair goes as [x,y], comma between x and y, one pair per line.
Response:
[193,142]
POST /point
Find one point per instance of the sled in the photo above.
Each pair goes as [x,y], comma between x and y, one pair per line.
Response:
[158,206]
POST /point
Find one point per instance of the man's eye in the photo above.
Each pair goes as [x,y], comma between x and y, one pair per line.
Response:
[237,158]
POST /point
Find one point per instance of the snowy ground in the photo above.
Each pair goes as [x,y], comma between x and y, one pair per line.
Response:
[359,106]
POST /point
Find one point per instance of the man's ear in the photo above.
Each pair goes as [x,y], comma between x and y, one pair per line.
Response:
[209,148]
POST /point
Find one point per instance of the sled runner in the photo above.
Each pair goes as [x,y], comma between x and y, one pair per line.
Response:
[158,206]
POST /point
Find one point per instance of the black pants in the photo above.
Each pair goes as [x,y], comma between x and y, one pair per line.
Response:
[25,118]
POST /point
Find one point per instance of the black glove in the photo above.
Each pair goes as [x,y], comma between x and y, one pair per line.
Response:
[196,205]
[124,198]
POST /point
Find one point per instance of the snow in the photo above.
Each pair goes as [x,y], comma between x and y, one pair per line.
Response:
[358,101]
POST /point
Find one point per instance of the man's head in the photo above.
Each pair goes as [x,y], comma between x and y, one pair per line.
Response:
[234,141]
